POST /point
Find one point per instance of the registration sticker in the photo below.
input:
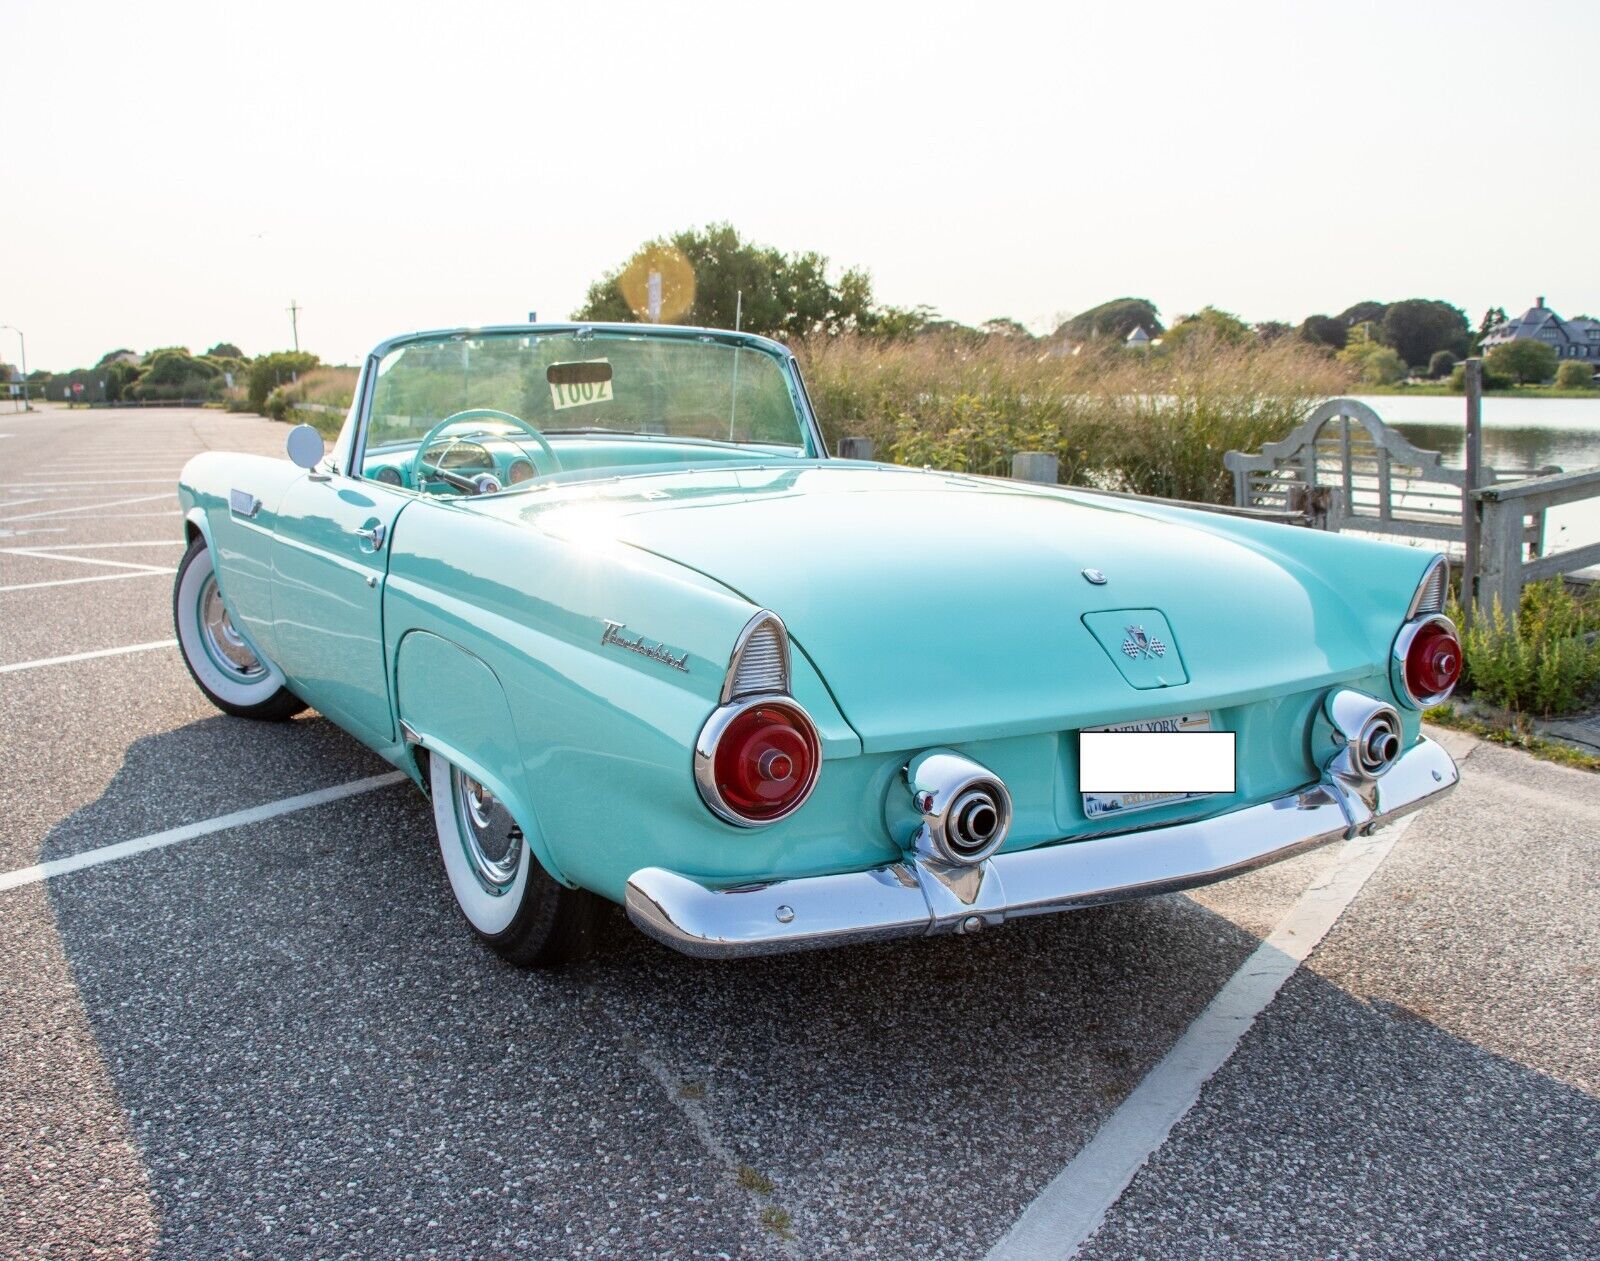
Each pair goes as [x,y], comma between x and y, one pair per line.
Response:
[1153,762]
[577,387]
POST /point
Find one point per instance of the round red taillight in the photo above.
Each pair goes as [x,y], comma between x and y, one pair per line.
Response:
[1433,661]
[764,763]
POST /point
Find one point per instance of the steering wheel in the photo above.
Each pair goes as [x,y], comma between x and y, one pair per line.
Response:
[484,483]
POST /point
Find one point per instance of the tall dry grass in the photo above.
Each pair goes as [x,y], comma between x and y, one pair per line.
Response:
[1154,424]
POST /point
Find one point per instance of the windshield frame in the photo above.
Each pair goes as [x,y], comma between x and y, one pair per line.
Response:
[353,445]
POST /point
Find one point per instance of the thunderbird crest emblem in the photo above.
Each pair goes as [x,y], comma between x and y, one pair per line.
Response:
[1140,645]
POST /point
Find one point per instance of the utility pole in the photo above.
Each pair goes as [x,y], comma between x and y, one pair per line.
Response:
[294,309]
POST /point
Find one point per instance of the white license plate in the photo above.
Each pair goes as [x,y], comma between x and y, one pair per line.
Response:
[1130,766]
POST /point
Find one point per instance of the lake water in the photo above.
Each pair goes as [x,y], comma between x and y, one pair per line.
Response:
[1517,433]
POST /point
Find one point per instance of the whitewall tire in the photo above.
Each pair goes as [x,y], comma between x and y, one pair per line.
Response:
[225,665]
[509,900]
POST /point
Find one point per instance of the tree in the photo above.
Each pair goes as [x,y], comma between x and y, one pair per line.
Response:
[170,373]
[1525,361]
[224,350]
[1573,375]
[1116,318]
[1004,326]
[1270,330]
[1440,364]
[712,277]
[1372,361]
[1416,327]
[1219,326]
[1325,330]
[1492,319]
[1381,365]
[1368,312]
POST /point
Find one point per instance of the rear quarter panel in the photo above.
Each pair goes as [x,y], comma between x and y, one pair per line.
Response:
[602,761]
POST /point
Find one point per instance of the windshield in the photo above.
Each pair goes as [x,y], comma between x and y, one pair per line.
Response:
[448,412]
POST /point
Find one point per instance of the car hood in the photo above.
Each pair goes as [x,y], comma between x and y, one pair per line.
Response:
[940,607]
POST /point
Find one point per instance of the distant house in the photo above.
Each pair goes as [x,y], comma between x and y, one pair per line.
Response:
[1570,339]
[1138,338]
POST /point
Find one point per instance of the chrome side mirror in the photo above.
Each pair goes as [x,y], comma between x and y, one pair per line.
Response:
[305,446]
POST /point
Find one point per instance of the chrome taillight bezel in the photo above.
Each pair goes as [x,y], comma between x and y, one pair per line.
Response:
[1402,649]
[710,738]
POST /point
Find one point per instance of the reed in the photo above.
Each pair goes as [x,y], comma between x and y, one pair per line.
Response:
[1151,423]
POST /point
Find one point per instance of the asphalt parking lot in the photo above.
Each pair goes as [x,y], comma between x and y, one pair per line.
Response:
[276,1039]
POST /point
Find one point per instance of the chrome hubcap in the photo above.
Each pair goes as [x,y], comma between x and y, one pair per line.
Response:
[491,838]
[223,641]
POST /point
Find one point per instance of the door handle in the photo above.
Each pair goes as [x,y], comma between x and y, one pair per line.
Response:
[372,534]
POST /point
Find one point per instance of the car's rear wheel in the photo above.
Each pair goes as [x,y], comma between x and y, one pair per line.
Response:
[227,668]
[510,901]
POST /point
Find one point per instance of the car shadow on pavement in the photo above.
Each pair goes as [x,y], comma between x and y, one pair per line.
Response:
[211,767]
[317,1058]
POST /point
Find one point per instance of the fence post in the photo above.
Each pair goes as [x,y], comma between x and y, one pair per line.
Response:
[856,448]
[1036,466]
[1499,555]
[1471,510]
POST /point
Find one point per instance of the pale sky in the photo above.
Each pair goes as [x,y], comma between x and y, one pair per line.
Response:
[177,173]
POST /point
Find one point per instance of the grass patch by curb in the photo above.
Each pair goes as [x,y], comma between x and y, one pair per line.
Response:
[1514,733]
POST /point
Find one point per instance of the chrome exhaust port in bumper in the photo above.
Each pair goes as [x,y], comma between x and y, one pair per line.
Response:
[923,895]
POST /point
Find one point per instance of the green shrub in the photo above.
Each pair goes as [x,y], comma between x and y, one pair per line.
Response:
[1440,364]
[1491,380]
[173,374]
[270,371]
[1573,375]
[1545,660]
[1525,361]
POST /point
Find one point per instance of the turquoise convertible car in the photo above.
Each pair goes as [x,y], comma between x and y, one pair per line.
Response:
[602,593]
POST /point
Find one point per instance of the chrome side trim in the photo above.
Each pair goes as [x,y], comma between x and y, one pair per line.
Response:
[918,897]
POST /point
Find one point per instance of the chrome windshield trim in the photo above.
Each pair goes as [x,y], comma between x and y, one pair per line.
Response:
[669,332]
[918,897]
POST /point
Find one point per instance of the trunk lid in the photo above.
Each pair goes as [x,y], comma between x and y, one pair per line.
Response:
[940,608]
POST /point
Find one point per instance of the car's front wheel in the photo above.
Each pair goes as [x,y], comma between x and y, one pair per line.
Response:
[227,668]
[510,901]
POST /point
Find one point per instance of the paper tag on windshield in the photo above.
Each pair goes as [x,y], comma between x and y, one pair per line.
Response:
[577,393]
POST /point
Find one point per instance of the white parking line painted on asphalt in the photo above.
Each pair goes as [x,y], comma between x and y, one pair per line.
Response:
[39,554]
[51,483]
[189,831]
[1071,1208]
[87,656]
[116,503]
[95,547]
[75,582]
[129,516]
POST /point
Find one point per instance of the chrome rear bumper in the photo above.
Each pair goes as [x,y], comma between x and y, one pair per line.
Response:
[920,896]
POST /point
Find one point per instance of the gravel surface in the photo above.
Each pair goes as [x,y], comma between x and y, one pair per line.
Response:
[281,1041]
